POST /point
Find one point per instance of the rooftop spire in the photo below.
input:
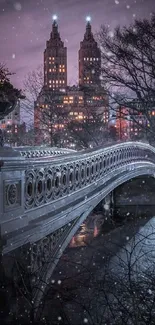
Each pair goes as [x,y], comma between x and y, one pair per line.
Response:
[55,32]
[88,33]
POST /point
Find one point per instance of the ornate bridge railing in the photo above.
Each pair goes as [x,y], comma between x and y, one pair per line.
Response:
[37,152]
[31,189]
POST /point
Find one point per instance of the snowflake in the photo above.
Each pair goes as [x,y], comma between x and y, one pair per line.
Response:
[150,292]
[106,207]
[59,281]
[127,238]
[85,320]
[134,15]
[17,6]
[13,56]
[59,317]
[128,6]
[116,2]
[109,53]
[111,33]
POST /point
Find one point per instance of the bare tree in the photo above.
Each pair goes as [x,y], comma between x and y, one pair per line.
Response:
[90,130]
[128,70]
[90,127]
[46,107]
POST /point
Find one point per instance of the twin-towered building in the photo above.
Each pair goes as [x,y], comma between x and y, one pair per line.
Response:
[55,60]
[56,97]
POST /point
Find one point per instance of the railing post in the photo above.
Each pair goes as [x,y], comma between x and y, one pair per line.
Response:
[12,184]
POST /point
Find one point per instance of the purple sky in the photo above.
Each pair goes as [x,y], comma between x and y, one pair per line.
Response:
[25,26]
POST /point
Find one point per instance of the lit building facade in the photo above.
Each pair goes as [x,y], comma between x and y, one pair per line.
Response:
[76,103]
[55,61]
[89,59]
[131,124]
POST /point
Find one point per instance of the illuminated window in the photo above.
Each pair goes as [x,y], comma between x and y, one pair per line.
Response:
[50,70]
[50,81]
[56,81]
[90,59]
[84,59]
[63,81]
[50,86]
[60,70]
[60,81]
[63,70]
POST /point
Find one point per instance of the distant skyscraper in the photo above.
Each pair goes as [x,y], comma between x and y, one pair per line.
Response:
[55,61]
[89,59]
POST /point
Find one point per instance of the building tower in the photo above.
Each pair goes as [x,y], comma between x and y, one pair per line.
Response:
[55,61]
[89,59]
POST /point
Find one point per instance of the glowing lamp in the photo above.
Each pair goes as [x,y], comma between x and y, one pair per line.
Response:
[55,17]
[88,18]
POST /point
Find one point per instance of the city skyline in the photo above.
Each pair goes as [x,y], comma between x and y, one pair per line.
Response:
[27,27]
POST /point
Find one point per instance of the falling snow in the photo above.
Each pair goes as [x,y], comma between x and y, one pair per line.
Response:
[17,6]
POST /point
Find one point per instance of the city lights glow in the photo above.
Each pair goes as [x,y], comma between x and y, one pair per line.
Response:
[88,18]
[55,17]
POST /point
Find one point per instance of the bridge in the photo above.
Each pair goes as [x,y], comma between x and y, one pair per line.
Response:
[46,194]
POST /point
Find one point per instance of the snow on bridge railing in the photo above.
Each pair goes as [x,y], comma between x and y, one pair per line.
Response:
[41,151]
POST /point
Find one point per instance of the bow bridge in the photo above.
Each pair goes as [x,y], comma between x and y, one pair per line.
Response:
[45,195]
